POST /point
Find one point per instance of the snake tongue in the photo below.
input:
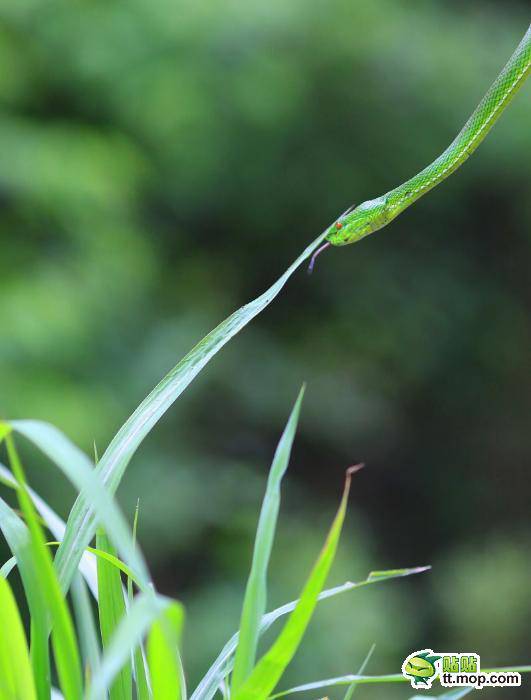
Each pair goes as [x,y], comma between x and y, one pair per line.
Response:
[314,256]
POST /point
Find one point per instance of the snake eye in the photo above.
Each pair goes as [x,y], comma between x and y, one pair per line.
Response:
[339,225]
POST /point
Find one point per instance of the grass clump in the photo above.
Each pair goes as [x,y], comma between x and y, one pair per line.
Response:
[132,647]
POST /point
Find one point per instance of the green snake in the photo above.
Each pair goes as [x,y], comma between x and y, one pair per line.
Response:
[358,222]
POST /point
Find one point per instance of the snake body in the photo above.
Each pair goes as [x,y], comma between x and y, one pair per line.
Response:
[374,214]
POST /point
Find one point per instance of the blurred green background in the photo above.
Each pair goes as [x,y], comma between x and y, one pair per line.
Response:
[161,164]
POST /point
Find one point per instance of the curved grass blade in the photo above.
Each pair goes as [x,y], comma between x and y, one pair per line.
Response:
[145,609]
[56,525]
[352,686]
[81,524]
[18,539]
[272,665]
[111,610]
[7,567]
[63,636]
[340,681]
[254,606]
[165,667]
[139,659]
[79,470]
[103,555]
[86,627]
[222,666]
[83,610]
[388,678]
[456,694]
[15,668]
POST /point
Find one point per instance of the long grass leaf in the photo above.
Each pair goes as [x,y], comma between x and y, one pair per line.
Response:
[110,559]
[144,610]
[81,524]
[456,694]
[86,627]
[222,666]
[79,470]
[339,681]
[254,606]
[165,667]
[361,670]
[7,567]
[56,525]
[272,665]
[63,637]
[19,541]
[4,431]
[139,660]
[111,611]
[15,667]
[388,678]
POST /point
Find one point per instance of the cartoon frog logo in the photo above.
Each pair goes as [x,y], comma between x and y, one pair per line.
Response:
[420,668]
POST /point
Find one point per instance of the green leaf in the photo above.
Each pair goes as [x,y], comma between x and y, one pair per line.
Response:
[111,559]
[352,686]
[79,470]
[222,666]
[254,606]
[456,694]
[272,665]
[86,627]
[165,668]
[18,539]
[144,610]
[111,611]
[7,567]
[56,526]
[15,668]
[63,637]
[340,681]
[139,661]
[5,429]
[81,523]
[389,678]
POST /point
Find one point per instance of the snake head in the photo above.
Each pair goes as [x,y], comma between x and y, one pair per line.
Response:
[360,222]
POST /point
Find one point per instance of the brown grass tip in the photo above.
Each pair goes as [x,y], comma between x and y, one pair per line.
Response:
[355,468]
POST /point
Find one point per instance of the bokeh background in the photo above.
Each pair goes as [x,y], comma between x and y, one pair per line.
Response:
[161,164]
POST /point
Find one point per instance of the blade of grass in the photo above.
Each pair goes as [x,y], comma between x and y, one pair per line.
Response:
[139,660]
[222,666]
[86,627]
[7,567]
[98,553]
[254,606]
[4,431]
[63,636]
[111,611]
[18,539]
[165,668]
[340,681]
[272,665]
[81,524]
[456,694]
[56,526]
[352,686]
[15,667]
[77,467]
[388,678]
[109,558]
[144,610]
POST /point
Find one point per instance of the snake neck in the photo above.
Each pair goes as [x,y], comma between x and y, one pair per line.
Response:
[499,95]
[377,213]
